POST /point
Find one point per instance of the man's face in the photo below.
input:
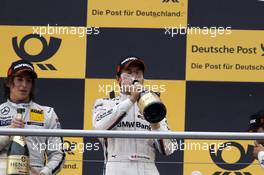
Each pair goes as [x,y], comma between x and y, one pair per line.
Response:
[133,72]
[20,87]
[128,75]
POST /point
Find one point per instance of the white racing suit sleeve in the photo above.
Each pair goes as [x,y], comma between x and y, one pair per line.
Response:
[164,146]
[55,157]
[107,114]
[261,158]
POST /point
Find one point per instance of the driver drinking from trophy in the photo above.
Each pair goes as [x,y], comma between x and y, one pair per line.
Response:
[123,155]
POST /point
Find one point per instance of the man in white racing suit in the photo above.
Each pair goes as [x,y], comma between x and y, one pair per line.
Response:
[256,124]
[129,156]
[19,87]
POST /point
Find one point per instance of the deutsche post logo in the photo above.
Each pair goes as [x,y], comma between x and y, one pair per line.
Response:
[48,50]
[244,161]
[262,48]
[69,147]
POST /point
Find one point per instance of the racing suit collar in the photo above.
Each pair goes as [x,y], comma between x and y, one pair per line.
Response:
[19,105]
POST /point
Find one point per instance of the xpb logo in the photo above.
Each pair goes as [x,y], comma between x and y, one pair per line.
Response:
[244,160]
[48,50]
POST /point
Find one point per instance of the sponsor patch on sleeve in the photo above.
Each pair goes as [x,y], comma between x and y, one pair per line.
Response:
[5,122]
[36,115]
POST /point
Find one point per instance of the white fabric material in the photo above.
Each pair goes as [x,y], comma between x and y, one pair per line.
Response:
[50,121]
[121,114]
[261,158]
